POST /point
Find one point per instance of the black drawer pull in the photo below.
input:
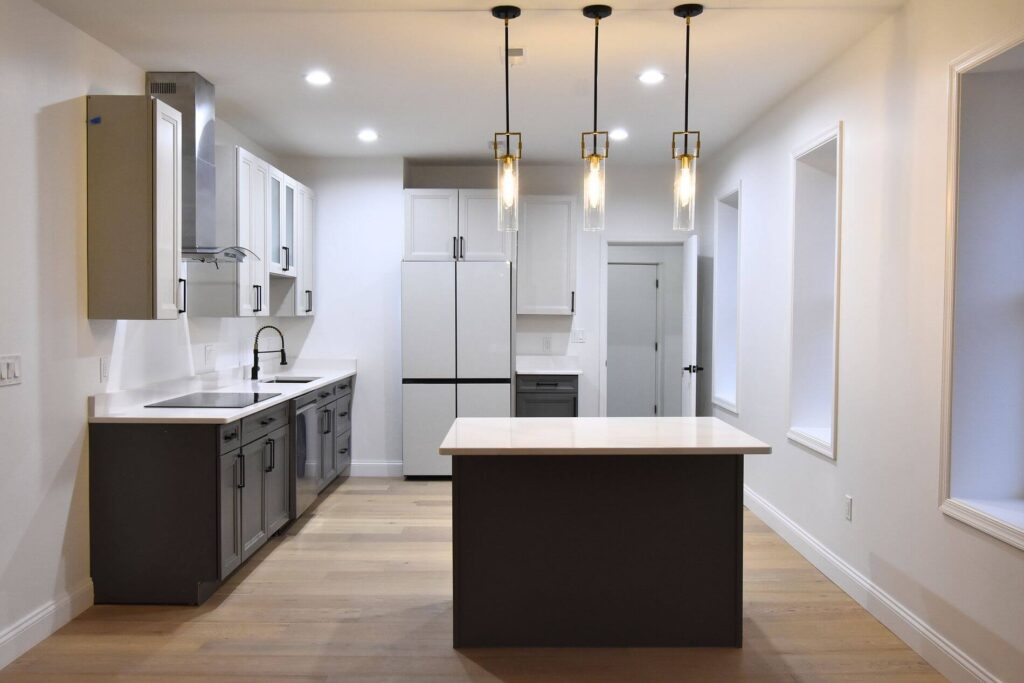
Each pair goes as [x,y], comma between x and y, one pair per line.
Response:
[231,437]
[264,423]
[324,394]
[546,384]
[241,484]
[345,414]
[343,451]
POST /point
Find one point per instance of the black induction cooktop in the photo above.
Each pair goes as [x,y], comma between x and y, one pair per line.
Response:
[212,400]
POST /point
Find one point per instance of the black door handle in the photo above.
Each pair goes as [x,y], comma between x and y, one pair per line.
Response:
[287,258]
[693,368]
[455,248]
[273,455]
[462,247]
[241,457]
[184,295]
[309,301]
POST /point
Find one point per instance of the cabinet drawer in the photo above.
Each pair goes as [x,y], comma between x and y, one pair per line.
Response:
[547,383]
[343,452]
[343,387]
[342,414]
[260,424]
[229,437]
[324,395]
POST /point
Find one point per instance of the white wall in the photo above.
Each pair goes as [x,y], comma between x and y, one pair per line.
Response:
[900,555]
[359,241]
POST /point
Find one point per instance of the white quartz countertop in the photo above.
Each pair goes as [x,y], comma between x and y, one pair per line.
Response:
[548,365]
[130,406]
[597,436]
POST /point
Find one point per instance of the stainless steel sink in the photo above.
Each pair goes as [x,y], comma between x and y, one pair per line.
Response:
[289,380]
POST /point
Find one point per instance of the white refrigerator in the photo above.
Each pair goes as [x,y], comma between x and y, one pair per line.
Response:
[456,353]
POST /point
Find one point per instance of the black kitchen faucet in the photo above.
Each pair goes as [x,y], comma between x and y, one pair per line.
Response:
[256,350]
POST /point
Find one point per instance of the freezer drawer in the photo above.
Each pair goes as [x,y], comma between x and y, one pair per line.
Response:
[428,411]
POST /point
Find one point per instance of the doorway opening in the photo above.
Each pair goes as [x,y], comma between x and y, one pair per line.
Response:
[644,331]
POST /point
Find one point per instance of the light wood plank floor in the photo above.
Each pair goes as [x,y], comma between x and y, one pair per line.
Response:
[360,592]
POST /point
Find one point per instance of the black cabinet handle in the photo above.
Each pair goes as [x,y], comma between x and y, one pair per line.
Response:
[231,436]
[241,457]
[273,455]
[324,394]
[462,247]
[309,301]
[342,451]
[572,305]
[345,414]
[327,421]
[264,423]
[259,298]
[455,248]
[184,295]
[287,258]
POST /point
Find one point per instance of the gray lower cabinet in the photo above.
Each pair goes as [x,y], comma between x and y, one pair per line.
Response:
[175,508]
[547,396]
[230,512]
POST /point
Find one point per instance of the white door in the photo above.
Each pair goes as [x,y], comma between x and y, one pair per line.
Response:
[632,336]
[275,229]
[168,286]
[428,411]
[484,400]
[484,319]
[428,320]
[691,249]
[479,237]
[546,256]
[431,225]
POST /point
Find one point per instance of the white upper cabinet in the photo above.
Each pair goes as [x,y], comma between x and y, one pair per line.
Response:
[546,255]
[446,225]
[431,225]
[253,187]
[306,255]
[479,237]
[134,209]
[283,199]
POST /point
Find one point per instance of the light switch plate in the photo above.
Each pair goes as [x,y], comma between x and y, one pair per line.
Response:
[578,337]
[848,508]
[10,370]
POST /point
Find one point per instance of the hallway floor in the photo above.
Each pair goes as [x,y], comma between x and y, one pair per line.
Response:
[360,592]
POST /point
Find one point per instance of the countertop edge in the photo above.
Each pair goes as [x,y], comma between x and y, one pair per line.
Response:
[723,450]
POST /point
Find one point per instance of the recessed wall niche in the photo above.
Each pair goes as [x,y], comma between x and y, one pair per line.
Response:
[983,430]
[725,318]
[817,183]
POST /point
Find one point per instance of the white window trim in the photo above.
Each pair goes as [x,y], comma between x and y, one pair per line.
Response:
[732,406]
[795,434]
[954,507]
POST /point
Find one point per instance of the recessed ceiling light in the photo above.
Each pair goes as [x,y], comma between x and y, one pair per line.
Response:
[368,135]
[318,77]
[651,77]
[618,134]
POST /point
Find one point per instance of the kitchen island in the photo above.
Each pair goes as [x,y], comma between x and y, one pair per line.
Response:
[610,532]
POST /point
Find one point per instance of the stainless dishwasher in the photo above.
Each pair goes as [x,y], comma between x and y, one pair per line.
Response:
[308,459]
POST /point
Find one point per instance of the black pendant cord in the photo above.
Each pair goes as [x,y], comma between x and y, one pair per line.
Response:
[507,125]
[597,28]
[686,83]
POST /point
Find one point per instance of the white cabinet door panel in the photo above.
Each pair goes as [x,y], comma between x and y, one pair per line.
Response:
[428,319]
[546,257]
[168,292]
[431,224]
[484,295]
[479,237]
[484,400]
[428,411]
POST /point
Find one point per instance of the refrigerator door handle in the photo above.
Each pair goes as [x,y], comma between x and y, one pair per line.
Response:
[455,248]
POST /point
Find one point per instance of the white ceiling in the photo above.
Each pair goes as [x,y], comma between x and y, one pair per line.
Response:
[427,74]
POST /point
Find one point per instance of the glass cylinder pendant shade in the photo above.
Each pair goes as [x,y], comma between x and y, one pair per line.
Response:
[593,193]
[685,193]
[508,194]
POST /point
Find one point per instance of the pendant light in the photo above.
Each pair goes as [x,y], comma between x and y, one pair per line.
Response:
[685,153]
[594,144]
[508,146]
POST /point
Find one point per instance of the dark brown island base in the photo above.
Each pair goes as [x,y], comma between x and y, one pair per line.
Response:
[610,532]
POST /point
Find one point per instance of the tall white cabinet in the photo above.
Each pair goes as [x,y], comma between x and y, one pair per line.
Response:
[454,225]
[134,209]
[546,250]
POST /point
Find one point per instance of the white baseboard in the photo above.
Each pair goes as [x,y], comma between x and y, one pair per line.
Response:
[936,649]
[377,469]
[20,637]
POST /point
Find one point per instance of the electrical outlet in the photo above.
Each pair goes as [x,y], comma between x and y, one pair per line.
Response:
[848,504]
[578,337]
[104,368]
[10,370]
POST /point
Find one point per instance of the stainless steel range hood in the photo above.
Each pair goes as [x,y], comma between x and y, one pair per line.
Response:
[192,95]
